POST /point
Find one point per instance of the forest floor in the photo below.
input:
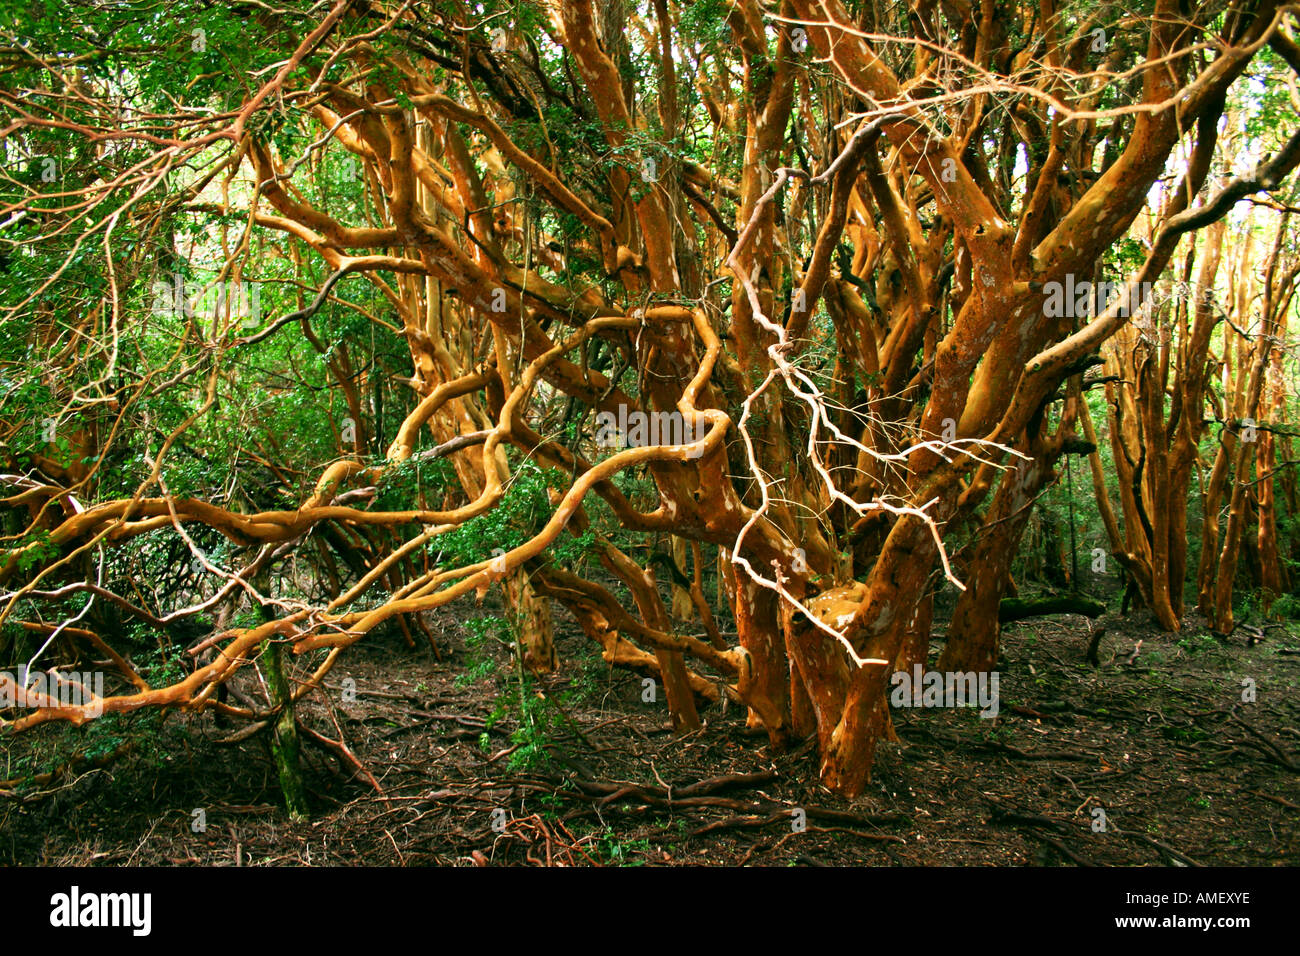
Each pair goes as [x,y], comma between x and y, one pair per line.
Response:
[1185,772]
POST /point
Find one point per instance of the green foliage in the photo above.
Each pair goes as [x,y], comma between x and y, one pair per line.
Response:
[535,715]
[402,481]
[1287,606]
[161,666]
[706,22]
[1197,643]
[614,850]
[523,511]
[33,549]
[479,662]
[537,720]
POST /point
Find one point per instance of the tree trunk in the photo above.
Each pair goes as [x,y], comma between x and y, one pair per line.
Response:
[284,734]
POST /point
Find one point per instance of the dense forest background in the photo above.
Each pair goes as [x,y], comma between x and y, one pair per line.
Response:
[727,358]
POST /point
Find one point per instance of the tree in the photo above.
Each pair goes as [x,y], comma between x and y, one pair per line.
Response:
[823,246]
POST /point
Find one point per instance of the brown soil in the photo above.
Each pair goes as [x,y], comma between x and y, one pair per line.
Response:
[1185,771]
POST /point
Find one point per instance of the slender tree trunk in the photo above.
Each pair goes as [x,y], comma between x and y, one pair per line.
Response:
[536,626]
[1276,299]
[755,610]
